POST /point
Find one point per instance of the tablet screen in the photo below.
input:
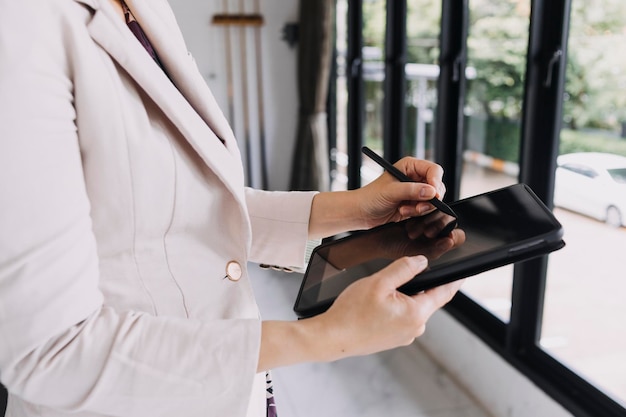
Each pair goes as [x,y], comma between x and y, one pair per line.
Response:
[494,224]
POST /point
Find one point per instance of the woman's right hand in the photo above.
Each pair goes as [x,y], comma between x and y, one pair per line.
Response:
[371,315]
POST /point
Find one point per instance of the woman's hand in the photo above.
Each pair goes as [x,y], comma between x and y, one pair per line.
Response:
[387,199]
[369,316]
[383,200]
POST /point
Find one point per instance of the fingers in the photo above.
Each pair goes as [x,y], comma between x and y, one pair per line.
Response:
[428,185]
[425,303]
[412,198]
[400,271]
[371,315]
[424,171]
[387,199]
[416,191]
[433,299]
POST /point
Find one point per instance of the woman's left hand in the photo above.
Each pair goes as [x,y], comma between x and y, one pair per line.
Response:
[383,200]
[387,199]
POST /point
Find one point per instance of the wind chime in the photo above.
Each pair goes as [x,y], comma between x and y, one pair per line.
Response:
[254,154]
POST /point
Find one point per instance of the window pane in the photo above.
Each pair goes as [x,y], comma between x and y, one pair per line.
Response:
[422,71]
[339,175]
[497,44]
[584,307]
[374,21]
[374,24]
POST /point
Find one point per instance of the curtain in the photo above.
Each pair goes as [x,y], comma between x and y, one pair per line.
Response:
[310,169]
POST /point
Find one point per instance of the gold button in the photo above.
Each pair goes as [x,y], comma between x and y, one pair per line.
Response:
[233,271]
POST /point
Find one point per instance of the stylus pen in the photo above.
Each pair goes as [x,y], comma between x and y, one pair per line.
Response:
[403,178]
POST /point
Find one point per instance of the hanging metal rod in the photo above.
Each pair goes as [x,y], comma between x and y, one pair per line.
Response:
[238,19]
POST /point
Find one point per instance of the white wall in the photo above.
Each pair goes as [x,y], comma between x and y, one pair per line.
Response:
[278,63]
[493,383]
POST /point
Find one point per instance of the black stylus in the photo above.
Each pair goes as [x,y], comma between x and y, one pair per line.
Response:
[403,178]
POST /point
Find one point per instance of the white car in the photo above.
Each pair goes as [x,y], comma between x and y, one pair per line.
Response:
[593,184]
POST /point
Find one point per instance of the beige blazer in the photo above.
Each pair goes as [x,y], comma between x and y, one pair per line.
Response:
[120,209]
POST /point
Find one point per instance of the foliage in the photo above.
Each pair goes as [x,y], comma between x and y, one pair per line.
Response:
[589,141]
[374,21]
[422,27]
[594,101]
[596,76]
[497,43]
[595,91]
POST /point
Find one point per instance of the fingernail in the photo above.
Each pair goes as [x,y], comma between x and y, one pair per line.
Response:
[420,260]
[426,192]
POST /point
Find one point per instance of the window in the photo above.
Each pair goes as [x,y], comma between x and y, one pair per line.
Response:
[618,175]
[580,170]
[497,42]
[582,306]
[362,72]
[481,87]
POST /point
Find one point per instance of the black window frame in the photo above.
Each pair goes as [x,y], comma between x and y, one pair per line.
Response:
[518,340]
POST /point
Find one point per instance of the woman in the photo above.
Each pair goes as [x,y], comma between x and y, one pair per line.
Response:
[125,229]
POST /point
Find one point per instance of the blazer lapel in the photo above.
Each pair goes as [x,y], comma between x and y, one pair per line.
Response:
[192,116]
[159,23]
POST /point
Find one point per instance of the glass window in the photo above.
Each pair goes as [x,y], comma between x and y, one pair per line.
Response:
[581,322]
[497,44]
[618,175]
[374,23]
[584,306]
[422,72]
[339,154]
[374,26]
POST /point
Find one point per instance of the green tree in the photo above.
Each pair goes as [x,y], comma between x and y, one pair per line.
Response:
[595,90]
[596,77]
[422,27]
[374,22]
[497,45]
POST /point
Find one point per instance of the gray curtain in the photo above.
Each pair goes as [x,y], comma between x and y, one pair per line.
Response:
[310,169]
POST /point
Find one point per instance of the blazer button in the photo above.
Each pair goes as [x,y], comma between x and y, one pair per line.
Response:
[233,271]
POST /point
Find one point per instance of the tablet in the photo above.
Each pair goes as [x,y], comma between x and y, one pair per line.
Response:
[501,227]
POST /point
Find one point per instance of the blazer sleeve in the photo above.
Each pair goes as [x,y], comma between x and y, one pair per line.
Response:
[59,346]
[280,226]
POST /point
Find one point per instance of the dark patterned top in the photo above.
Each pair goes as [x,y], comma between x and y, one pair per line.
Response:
[271,405]
[134,27]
